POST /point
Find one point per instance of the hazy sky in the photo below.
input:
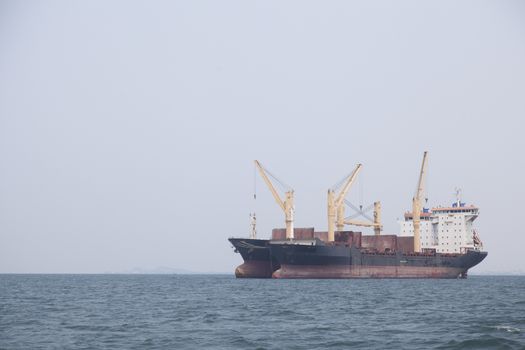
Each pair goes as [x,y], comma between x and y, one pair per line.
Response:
[128,129]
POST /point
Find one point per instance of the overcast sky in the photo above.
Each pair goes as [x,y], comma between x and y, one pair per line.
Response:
[128,129]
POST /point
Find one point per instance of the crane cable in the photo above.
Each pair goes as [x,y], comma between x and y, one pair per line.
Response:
[253,222]
[254,182]
[283,186]
[361,192]
[341,182]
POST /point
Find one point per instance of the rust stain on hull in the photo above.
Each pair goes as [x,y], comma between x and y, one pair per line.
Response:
[338,271]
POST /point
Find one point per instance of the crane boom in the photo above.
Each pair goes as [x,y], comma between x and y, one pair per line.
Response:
[287,205]
[336,206]
[376,223]
[268,183]
[347,185]
[417,204]
[362,223]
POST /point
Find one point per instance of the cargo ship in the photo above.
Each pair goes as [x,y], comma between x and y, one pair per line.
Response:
[353,255]
[433,243]
[316,259]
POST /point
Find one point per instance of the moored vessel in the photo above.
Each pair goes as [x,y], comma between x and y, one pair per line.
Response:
[433,243]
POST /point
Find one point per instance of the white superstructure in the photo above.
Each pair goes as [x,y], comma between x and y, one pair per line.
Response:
[445,229]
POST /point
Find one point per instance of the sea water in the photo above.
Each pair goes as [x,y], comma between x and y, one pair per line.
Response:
[221,312]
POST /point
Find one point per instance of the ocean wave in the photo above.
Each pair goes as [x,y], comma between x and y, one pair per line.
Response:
[509,329]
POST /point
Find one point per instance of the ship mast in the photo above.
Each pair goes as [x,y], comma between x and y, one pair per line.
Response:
[253,226]
[458,197]
[287,205]
[336,205]
[417,204]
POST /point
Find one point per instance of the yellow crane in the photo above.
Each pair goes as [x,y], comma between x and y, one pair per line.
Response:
[376,224]
[417,204]
[287,205]
[336,205]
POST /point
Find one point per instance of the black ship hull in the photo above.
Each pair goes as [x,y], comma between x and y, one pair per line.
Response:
[315,259]
[258,262]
